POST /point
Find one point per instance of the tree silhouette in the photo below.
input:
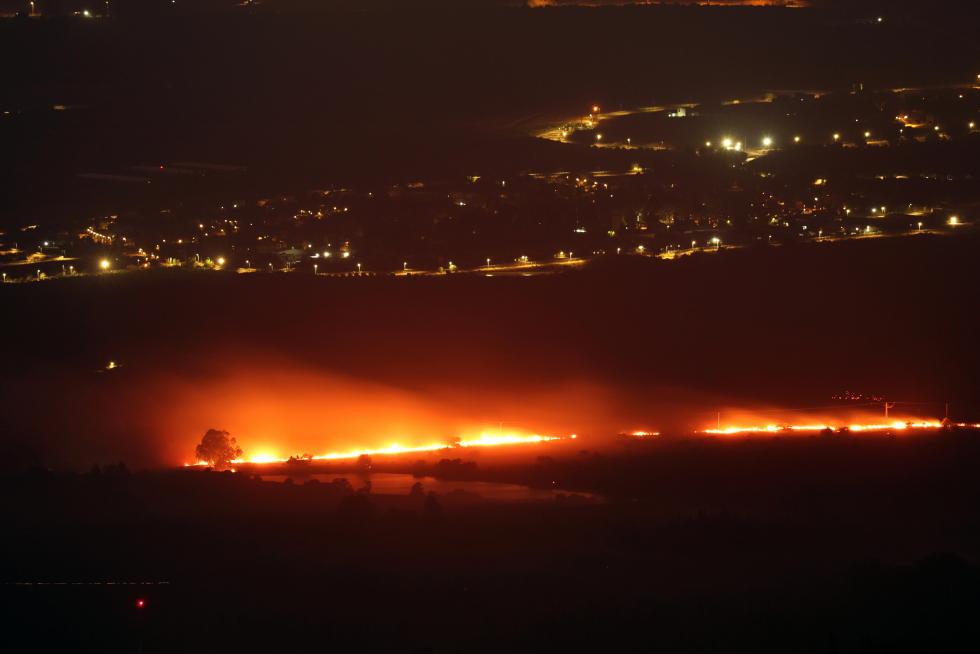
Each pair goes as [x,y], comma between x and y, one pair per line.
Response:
[217,448]
[432,508]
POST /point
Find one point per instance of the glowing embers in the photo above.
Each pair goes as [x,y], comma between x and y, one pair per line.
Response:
[485,439]
[896,425]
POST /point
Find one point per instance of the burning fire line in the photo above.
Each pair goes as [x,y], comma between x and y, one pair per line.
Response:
[896,425]
[485,439]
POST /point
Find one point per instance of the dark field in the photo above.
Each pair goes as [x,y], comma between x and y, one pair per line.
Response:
[808,545]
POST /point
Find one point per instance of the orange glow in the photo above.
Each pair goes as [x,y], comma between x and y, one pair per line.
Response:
[485,439]
[894,425]
[644,434]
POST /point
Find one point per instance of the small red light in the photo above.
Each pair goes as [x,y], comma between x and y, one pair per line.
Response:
[140,603]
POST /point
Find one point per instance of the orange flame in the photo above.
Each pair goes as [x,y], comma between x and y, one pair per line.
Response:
[485,439]
[896,425]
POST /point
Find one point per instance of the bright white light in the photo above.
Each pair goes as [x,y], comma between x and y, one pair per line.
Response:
[767,142]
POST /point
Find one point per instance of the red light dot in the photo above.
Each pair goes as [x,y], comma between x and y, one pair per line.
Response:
[140,603]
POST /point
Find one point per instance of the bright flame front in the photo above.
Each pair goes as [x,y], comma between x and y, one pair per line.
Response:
[485,439]
[895,425]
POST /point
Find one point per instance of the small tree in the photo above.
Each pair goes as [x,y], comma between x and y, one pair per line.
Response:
[217,449]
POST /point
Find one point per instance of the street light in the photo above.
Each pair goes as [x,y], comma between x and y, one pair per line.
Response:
[488,262]
[767,142]
[716,242]
[358,267]
[314,269]
[104,264]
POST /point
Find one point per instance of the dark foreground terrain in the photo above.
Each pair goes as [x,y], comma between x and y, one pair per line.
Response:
[806,545]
